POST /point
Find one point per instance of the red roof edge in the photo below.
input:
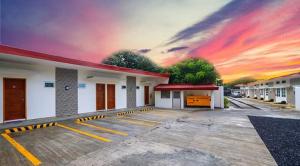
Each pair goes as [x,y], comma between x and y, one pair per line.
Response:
[162,87]
[37,55]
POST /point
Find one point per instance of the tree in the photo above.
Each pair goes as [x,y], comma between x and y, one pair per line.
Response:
[193,71]
[130,59]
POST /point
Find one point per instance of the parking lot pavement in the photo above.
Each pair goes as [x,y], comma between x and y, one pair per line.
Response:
[157,137]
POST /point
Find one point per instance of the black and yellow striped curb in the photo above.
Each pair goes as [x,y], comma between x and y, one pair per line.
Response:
[31,127]
[147,109]
[132,111]
[125,113]
[90,118]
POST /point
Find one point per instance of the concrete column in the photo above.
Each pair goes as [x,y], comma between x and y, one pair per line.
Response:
[212,100]
[131,91]
[272,94]
[290,94]
[66,91]
[182,99]
[297,98]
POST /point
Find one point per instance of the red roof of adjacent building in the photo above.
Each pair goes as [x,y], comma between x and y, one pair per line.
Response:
[37,55]
[162,87]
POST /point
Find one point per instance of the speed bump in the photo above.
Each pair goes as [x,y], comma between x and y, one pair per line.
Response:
[90,118]
[147,109]
[125,113]
[31,127]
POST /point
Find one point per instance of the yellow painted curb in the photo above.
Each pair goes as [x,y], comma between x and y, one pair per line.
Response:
[22,150]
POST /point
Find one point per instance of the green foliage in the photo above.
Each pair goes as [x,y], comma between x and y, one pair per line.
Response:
[193,71]
[226,102]
[132,60]
[243,80]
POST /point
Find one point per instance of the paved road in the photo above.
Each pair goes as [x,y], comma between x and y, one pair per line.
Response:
[157,137]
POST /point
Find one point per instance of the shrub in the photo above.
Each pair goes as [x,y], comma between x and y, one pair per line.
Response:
[283,102]
[226,102]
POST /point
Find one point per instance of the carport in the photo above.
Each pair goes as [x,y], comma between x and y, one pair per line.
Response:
[180,96]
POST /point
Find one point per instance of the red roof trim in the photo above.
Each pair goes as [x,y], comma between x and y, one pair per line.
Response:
[43,56]
[162,87]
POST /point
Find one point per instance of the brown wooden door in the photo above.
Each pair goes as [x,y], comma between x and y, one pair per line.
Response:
[111,96]
[14,99]
[146,94]
[100,96]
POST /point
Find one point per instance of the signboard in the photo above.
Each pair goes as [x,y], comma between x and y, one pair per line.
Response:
[49,84]
[81,85]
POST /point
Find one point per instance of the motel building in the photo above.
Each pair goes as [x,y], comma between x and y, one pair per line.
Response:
[36,85]
[284,89]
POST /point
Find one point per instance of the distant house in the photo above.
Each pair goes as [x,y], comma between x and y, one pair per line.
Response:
[279,90]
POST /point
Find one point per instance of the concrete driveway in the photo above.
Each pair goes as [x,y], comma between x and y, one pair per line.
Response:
[157,137]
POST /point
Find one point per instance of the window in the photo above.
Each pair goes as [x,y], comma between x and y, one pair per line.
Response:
[267,92]
[283,92]
[176,95]
[278,92]
[165,94]
[278,82]
[284,81]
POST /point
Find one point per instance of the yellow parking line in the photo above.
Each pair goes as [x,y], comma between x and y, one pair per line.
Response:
[143,120]
[131,121]
[22,150]
[84,133]
[103,129]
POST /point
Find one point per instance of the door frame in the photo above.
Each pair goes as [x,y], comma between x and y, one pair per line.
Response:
[145,95]
[105,94]
[25,98]
[109,84]
[176,98]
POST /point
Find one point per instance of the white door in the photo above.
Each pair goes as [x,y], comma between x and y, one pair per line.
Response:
[176,100]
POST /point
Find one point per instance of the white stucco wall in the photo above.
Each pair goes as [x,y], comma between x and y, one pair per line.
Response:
[140,93]
[1,99]
[162,102]
[219,97]
[40,101]
[87,95]
[297,98]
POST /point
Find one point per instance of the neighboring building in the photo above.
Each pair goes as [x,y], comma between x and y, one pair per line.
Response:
[36,85]
[180,96]
[278,90]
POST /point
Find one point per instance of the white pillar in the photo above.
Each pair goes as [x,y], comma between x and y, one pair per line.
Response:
[297,98]
[212,100]
[182,99]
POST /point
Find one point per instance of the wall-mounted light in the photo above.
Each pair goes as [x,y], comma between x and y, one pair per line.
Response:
[137,87]
[67,88]
[123,87]
[88,77]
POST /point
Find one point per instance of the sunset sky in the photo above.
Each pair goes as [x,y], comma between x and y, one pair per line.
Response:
[258,38]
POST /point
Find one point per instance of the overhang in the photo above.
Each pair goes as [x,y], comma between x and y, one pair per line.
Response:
[168,87]
[47,57]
